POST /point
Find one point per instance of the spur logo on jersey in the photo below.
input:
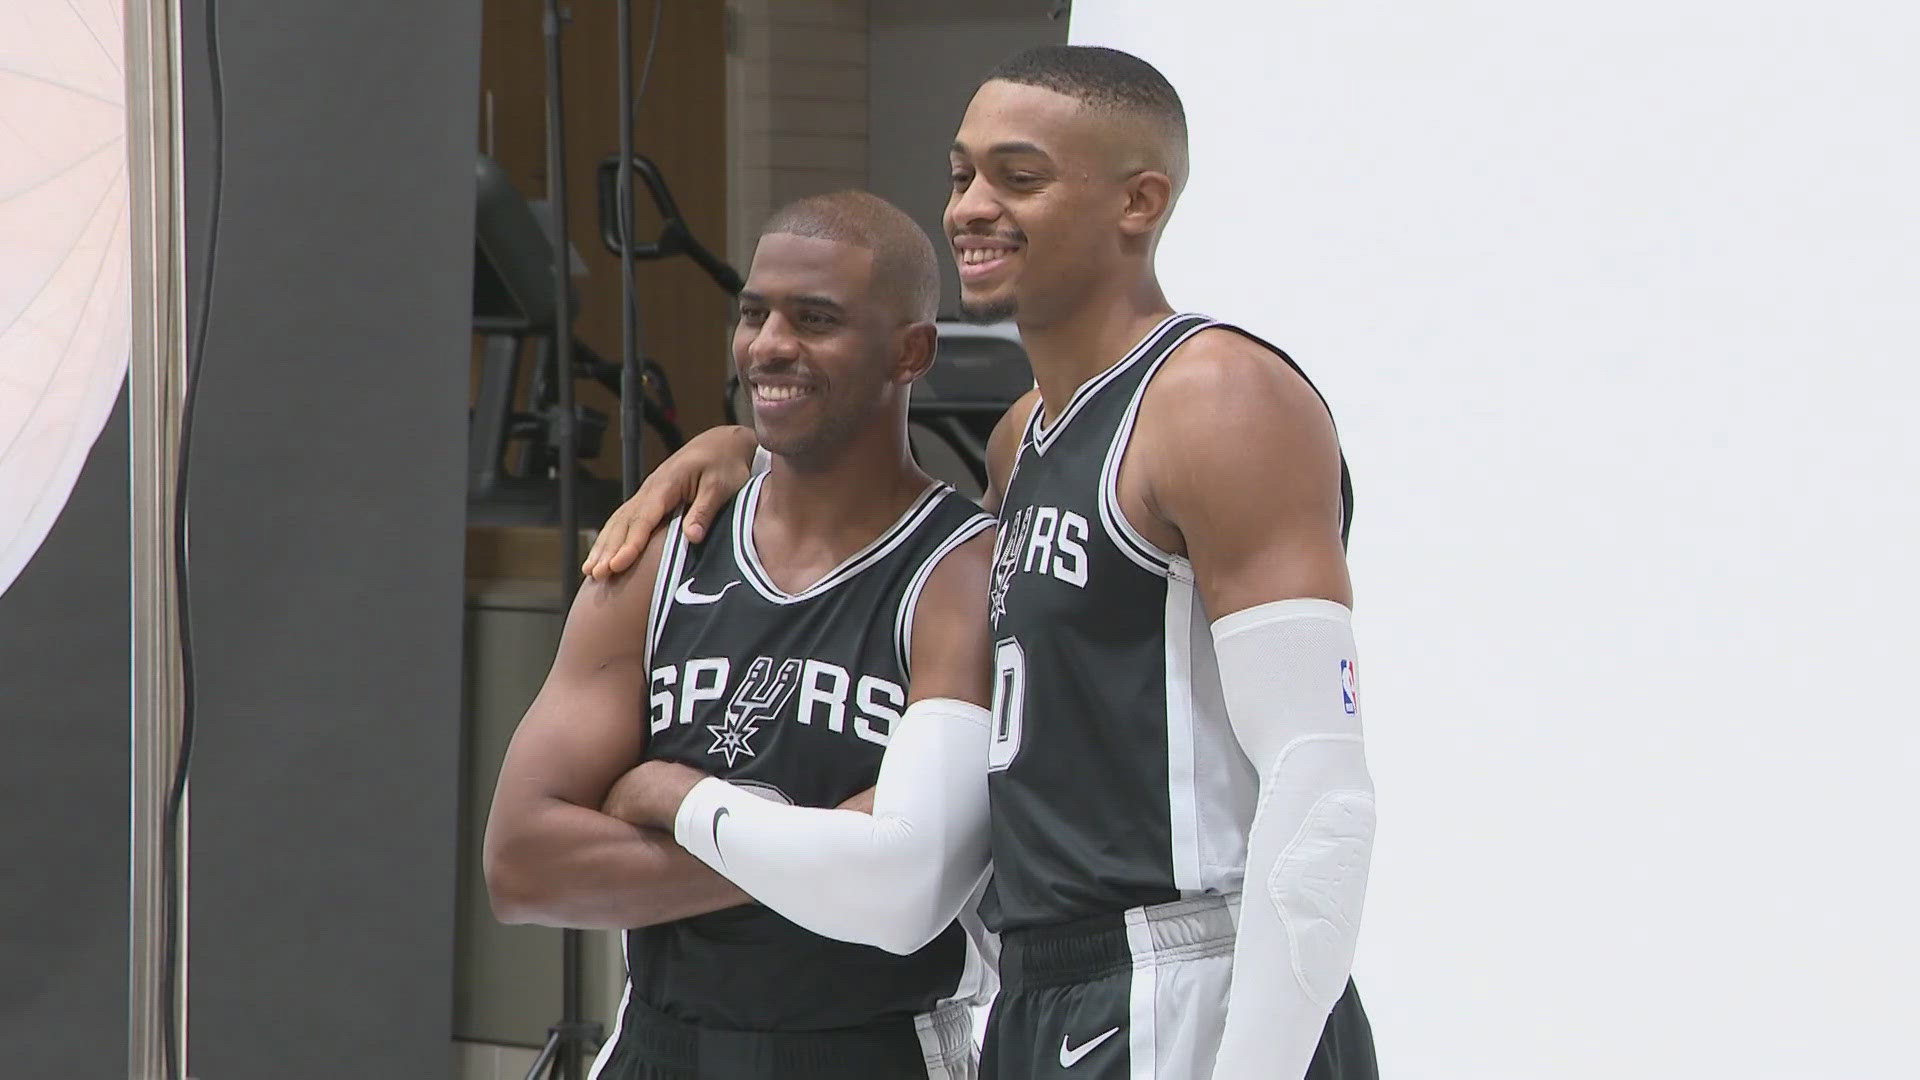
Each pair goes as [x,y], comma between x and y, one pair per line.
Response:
[1038,540]
[1349,687]
[760,697]
[1006,555]
[803,690]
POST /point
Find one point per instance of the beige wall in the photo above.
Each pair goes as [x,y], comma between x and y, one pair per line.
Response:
[797,94]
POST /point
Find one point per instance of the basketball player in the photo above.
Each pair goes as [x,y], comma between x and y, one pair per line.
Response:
[1182,816]
[831,633]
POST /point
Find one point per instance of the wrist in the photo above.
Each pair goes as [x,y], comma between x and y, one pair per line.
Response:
[695,823]
[650,794]
[746,443]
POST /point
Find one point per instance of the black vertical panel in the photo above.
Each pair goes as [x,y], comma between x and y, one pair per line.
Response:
[328,518]
[64,707]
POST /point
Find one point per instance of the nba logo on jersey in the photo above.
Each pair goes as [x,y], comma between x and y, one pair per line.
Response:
[1349,686]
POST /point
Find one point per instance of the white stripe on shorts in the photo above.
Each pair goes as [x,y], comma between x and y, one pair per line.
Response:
[1182,969]
[946,1042]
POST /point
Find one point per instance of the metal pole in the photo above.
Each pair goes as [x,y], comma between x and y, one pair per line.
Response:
[631,386]
[562,306]
[569,1061]
[157,384]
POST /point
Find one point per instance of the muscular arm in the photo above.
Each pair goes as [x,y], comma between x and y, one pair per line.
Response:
[1226,418]
[897,877]
[551,856]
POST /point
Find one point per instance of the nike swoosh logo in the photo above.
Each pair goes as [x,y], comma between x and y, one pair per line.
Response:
[686,595]
[1071,1057]
[717,815]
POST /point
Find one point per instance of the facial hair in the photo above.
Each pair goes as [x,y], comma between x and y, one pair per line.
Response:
[989,311]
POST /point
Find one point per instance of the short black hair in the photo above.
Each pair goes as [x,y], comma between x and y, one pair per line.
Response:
[905,269]
[1103,79]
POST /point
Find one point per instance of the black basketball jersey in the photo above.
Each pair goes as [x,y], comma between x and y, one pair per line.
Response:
[1116,779]
[795,697]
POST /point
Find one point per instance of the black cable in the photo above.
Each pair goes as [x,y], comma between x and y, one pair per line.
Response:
[646,65]
[632,404]
[170,870]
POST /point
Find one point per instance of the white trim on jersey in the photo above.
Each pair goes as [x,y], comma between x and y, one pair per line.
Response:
[1020,452]
[980,977]
[619,1017]
[1141,997]
[1041,434]
[1119,529]
[748,559]
[1183,804]
[1211,788]
[910,600]
[673,559]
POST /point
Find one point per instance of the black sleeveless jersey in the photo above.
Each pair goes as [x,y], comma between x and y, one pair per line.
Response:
[793,697]
[1116,780]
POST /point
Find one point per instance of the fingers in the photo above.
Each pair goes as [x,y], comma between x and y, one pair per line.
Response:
[604,545]
[629,551]
[707,502]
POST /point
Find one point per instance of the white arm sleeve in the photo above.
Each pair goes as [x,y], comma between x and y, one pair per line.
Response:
[1287,669]
[894,878]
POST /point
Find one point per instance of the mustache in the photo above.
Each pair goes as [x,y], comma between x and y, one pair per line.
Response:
[1013,237]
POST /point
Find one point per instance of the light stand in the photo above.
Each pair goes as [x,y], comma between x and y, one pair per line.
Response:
[563,1054]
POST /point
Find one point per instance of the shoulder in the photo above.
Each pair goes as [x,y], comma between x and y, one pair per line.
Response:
[1225,374]
[962,556]
[611,617]
[950,632]
[1226,413]
[954,585]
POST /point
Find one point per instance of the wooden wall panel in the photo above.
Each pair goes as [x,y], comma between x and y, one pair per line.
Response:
[680,124]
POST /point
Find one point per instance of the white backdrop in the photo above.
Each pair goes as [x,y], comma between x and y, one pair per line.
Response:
[1618,306]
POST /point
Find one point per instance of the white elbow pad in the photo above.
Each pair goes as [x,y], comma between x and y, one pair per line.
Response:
[1288,673]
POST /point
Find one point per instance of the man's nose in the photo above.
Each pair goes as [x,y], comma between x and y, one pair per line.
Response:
[774,342]
[973,206]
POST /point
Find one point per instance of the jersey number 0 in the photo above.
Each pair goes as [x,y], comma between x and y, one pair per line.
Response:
[1009,702]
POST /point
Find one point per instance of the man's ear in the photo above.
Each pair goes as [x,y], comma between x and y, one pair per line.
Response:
[918,343]
[1149,198]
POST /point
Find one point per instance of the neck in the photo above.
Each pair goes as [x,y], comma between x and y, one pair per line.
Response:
[845,500]
[1085,341]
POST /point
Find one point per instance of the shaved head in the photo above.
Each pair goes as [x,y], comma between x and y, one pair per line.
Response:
[906,273]
[1131,93]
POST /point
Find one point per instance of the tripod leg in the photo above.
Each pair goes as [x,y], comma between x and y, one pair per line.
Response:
[547,1055]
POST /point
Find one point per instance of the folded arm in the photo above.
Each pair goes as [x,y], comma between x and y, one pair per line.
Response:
[551,856]
[894,878]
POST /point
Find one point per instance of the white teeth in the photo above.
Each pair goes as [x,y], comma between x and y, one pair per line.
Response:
[778,393]
[976,256]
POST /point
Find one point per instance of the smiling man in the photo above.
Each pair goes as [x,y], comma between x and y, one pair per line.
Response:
[1182,816]
[830,639]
